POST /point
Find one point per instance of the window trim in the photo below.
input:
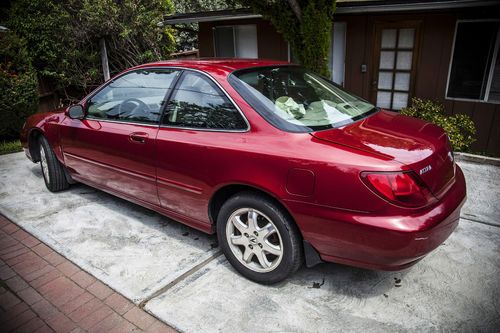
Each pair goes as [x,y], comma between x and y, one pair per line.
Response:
[89,97]
[244,130]
[490,70]
[168,95]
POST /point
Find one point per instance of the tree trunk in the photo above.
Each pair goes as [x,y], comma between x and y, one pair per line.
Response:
[104,59]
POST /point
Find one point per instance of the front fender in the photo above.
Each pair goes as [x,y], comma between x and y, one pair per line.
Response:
[46,124]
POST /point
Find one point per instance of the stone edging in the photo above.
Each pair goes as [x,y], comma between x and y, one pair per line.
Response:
[477,158]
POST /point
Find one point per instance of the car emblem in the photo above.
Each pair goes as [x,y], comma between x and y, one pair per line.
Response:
[426,169]
[253,240]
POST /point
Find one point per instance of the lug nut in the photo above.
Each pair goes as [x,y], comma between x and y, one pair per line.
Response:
[260,245]
[251,247]
[246,235]
[255,233]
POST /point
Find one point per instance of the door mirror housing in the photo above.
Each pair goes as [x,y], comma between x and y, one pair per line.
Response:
[76,112]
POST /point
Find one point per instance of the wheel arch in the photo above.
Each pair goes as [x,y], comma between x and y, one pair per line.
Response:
[223,193]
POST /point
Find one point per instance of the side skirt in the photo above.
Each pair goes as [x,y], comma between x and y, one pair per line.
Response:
[204,227]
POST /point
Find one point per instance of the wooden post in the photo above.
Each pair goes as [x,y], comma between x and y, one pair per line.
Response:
[104,59]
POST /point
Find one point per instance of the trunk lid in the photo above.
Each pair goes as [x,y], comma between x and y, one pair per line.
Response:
[422,146]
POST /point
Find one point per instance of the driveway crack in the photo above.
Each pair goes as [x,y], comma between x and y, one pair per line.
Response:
[181,277]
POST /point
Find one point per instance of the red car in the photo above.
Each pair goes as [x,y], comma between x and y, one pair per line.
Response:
[283,164]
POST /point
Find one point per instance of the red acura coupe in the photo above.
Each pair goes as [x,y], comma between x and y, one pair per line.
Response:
[283,164]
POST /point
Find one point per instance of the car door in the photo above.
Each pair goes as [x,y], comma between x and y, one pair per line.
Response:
[194,142]
[114,146]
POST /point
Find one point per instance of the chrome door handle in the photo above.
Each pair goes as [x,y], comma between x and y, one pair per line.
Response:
[138,137]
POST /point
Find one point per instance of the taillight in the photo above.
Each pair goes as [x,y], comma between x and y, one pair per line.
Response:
[401,188]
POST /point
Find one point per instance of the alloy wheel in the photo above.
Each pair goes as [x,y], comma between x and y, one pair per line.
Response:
[254,240]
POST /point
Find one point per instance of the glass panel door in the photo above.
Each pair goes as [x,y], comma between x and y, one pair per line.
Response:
[395,51]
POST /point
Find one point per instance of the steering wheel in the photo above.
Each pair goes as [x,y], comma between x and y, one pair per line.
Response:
[138,109]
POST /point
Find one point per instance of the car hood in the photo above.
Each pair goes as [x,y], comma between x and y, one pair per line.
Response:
[422,146]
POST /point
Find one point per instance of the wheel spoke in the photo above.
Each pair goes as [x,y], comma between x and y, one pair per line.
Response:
[238,224]
[262,259]
[238,240]
[267,230]
[247,255]
[252,220]
[271,248]
[43,164]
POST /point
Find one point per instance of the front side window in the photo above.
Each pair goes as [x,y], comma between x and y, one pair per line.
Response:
[197,102]
[296,100]
[134,97]
[475,65]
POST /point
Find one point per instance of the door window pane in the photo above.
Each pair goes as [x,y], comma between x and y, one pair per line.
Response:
[224,42]
[384,99]
[134,97]
[399,101]
[387,60]
[389,38]
[404,60]
[402,81]
[406,38]
[385,80]
[395,67]
[198,103]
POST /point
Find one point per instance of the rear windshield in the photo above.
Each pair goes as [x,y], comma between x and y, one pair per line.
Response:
[297,100]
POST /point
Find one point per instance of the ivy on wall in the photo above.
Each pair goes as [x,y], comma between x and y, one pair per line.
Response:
[305,24]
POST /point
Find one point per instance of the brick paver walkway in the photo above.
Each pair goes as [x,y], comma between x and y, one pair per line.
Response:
[41,291]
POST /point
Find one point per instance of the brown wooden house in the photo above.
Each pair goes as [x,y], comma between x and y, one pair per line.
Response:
[388,52]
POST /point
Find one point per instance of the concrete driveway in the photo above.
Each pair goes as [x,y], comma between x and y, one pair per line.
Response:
[179,276]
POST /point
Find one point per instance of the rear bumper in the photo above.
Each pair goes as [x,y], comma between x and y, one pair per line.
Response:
[380,242]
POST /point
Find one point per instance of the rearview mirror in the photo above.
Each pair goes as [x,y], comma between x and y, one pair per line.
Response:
[76,112]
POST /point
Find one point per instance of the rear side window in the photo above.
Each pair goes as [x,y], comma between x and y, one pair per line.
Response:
[134,97]
[197,102]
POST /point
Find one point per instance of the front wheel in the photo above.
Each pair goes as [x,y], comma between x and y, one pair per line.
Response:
[52,169]
[259,238]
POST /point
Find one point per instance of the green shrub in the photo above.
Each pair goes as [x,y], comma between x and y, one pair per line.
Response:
[459,127]
[7,147]
[18,86]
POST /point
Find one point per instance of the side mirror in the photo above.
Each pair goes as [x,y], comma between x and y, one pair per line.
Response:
[76,112]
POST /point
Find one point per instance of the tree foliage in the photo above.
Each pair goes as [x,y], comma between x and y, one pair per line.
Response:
[63,36]
[305,24]
[459,127]
[18,82]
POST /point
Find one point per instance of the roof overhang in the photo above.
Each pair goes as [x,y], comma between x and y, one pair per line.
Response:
[343,7]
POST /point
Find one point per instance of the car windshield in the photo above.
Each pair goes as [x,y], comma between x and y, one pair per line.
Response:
[297,100]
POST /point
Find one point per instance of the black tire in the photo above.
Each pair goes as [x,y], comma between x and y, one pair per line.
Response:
[290,238]
[55,178]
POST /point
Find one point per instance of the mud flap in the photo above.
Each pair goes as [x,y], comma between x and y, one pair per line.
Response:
[311,255]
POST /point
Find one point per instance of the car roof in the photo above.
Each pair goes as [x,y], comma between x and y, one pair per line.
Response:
[225,64]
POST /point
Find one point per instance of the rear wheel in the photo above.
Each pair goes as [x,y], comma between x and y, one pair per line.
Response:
[52,169]
[259,238]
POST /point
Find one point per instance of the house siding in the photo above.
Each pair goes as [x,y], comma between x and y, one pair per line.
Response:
[436,36]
